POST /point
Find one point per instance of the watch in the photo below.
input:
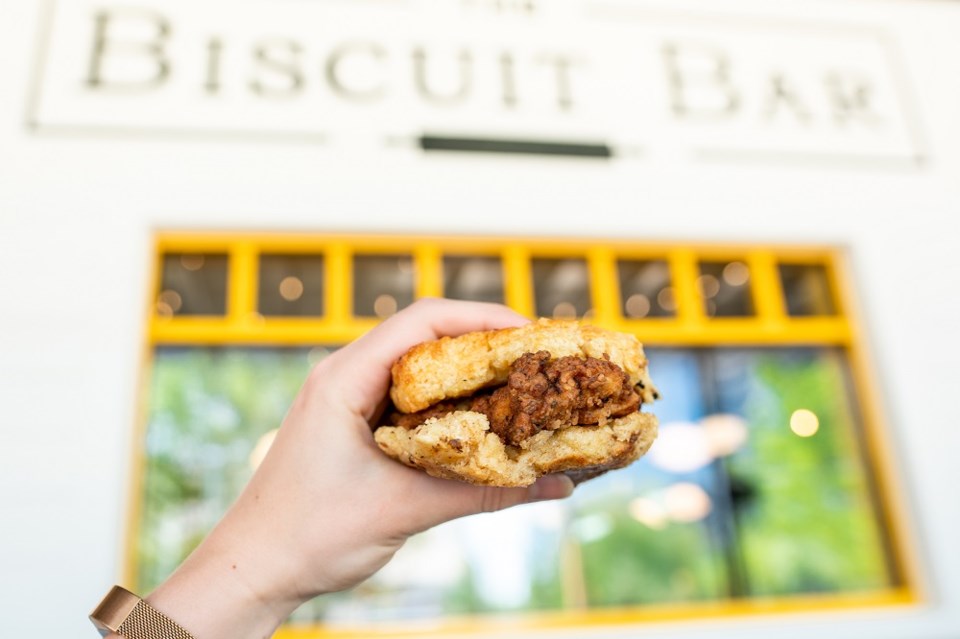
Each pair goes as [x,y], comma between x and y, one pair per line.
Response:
[129,616]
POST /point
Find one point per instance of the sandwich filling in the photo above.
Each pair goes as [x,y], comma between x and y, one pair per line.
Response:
[541,394]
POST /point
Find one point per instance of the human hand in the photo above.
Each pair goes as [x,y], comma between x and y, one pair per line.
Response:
[326,508]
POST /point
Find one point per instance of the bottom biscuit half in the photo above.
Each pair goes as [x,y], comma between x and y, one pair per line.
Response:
[460,446]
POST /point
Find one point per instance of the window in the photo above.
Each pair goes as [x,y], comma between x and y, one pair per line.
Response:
[474,278]
[192,284]
[725,289]
[561,287]
[806,290]
[645,289]
[382,285]
[764,483]
[290,285]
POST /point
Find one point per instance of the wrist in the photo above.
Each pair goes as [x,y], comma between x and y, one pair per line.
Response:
[219,592]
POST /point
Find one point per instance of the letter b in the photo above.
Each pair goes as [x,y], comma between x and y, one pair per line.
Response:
[146,65]
[698,78]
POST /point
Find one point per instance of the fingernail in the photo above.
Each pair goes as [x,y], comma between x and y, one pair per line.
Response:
[551,487]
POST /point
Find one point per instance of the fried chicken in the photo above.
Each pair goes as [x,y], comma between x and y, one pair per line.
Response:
[545,395]
[412,420]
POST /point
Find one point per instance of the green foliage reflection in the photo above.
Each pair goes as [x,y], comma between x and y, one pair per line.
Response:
[799,517]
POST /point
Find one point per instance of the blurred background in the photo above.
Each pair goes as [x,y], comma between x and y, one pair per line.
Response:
[200,200]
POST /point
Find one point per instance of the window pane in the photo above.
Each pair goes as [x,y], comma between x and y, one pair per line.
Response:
[802,506]
[740,496]
[473,278]
[645,289]
[208,409]
[725,289]
[291,285]
[382,284]
[806,290]
[561,287]
[193,284]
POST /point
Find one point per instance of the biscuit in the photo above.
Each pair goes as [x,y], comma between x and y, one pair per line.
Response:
[454,367]
[460,446]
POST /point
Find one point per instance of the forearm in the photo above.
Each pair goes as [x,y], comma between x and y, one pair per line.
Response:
[219,592]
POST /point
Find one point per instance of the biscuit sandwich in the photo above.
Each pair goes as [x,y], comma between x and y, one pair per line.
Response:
[504,407]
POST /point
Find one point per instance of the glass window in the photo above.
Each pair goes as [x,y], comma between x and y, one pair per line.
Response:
[382,284]
[192,284]
[754,488]
[725,289]
[475,278]
[759,486]
[561,287]
[806,290]
[645,289]
[291,285]
[203,428]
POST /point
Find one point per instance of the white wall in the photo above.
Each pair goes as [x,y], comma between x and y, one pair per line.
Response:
[77,212]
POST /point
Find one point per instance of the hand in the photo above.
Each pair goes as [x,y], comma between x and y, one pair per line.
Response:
[326,509]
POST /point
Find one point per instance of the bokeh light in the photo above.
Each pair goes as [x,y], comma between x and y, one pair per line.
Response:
[804,422]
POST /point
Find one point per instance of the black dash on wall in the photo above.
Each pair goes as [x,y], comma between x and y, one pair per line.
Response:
[526,147]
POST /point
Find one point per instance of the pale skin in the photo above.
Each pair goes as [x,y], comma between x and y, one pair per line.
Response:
[326,509]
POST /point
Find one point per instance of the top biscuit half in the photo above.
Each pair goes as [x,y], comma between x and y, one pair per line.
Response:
[454,367]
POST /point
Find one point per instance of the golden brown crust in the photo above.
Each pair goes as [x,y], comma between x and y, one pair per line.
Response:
[460,446]
[458,366]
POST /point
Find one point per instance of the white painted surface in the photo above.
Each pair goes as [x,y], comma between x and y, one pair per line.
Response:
[77,212]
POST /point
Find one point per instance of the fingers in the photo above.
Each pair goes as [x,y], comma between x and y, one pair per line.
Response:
[451,500]
[363,367]
[429,319]
[492,499]
[551,487]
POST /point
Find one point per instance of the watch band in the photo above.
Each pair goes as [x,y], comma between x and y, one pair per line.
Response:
[129,616]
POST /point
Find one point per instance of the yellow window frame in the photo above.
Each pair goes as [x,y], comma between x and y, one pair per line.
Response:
[690,326]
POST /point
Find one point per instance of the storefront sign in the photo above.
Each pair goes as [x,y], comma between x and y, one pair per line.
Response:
[561,77]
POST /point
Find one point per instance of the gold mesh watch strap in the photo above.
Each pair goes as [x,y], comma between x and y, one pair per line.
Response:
[146,622]
[129,616]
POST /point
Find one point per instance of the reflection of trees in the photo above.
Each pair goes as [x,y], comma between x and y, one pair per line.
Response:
[637,565]
[796,511]
[791,514]
[207,409]
[814,528]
